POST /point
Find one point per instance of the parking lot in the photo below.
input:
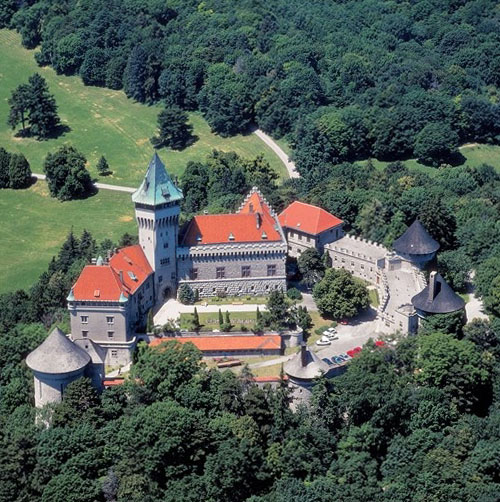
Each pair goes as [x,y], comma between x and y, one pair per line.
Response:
[355,334]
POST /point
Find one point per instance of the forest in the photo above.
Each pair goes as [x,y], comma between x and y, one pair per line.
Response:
[341,80]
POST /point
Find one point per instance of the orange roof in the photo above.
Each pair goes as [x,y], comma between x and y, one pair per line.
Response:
[253,223]
[112,382]
[227,342]
[103,282]
[308,218]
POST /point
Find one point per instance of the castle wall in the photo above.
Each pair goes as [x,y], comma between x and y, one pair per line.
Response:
[49,388]
[200,267]
[299,241]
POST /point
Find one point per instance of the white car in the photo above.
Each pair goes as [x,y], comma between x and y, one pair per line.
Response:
[323,341]
[331,330]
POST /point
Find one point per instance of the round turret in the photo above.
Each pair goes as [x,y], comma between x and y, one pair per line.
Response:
[55,363]
[416,245]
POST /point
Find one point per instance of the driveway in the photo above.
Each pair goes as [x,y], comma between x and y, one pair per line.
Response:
[290,166]
[102,186]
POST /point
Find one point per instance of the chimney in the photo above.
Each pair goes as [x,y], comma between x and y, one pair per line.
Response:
[258,217]
[303,354]
[432,286]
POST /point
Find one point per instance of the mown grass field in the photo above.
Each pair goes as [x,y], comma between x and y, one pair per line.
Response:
[34,225]
[105,122]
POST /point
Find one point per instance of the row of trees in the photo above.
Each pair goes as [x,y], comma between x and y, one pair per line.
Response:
[342,79]
[15,171]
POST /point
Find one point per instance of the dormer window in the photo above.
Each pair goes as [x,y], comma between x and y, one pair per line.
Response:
[264,235]
[198,238]
[97,293]
[231,236]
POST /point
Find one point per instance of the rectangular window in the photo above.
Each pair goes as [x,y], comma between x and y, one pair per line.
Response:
[308,239]
[271,270]
[111,334]
[165,245]
[114,353]
[299,236]
[164,261]
[160,278]
[193,274]
[110,319]
[172,276]
[220,272]
[85,319]
[245,271]
[85,334]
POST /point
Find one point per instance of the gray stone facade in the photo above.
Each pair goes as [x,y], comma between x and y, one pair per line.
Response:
[299,241]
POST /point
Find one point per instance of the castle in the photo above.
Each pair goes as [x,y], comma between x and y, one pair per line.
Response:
[242,253]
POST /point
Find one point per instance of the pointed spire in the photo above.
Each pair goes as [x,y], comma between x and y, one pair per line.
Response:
[100,261]
[415,241]
[71,296]
[123,298]
[157,186]
[437,297]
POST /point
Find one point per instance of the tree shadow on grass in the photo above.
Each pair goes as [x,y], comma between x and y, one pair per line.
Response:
[59,131]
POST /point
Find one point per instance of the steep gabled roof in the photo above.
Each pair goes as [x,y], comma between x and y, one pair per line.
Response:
[254,222]
[416,240]
[307,218]
[157,186]
[57,355]
[437,297]
[228,342]
[105,283]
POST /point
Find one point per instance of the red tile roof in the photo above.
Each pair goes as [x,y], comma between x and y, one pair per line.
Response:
[227,343]
[253,223]
[308,218]
[103,283]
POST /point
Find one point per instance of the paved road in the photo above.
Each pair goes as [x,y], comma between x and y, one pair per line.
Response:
[103,186]
[290,166]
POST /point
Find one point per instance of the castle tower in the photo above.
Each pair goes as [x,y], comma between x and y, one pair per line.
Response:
[157,209]
[55,364]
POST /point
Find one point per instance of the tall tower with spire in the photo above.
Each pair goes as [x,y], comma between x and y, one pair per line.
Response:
[157,208]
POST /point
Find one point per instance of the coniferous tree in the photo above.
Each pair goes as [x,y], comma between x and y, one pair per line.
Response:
[103,166]
[135,74]
[174,131]
[221,319]
[20,103]
[196,320]
[43,116]
[19,172]
[4,168]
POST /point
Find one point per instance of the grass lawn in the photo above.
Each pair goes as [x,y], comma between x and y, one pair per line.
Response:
[230,300]
[374,301]
[34,225]
[318,321]
[267,371]
[210,320]
[474,154]
[105,122]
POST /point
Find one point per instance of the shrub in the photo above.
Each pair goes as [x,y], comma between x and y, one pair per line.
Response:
[294,294]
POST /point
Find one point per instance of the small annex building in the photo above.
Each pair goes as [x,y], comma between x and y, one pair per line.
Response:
[231,345]
[57,362]
[416,245]
[302,370]
[308,226]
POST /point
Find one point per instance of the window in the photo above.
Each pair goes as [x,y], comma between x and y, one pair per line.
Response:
[164,261]
[165,245]
[114,353]
[308,239]
[111,334]
[220,272]
[85,334]
[110,319]
[245,271]
[85,319]
[160,278]
[193,274]
[172,276]
[271,270]
[299,236]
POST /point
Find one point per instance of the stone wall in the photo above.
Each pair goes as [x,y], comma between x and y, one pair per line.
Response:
[237,287]
[49,388]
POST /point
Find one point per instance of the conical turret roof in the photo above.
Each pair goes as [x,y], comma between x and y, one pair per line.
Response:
[437,297]
[57,355]
[305,365]
[416,240]
[157,186]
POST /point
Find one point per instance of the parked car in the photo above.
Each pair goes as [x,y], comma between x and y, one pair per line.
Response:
[344,321]
[380,343]
[332,337]
[327,361]
[338,360]
[331,330]
[323,341]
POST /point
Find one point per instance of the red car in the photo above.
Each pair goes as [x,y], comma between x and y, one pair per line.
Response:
[343,321]
[353,352]
[380,343]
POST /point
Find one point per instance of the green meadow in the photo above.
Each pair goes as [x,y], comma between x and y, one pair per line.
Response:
[34,225]
[105,122]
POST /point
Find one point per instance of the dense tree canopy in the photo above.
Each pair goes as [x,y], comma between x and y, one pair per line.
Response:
[342,79]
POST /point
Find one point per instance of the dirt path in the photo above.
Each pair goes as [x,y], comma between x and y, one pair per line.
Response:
[290,166]
[103,186]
